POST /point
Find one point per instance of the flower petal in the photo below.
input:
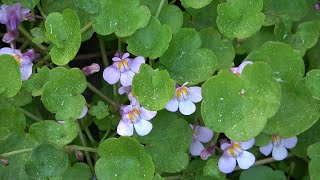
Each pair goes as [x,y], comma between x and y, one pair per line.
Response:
[172,105]
[111,75]
[146,114]
[122,90]
[290,143]
[6,50]
[266,150]
[126,78]
[187,107]
[226,163]
[195,94]
[279,152]
[204,134]
[84,112]
[125,128]
[245,160]
[136,63]
[143,127]
[224,146]
[26,71]
[242,65]
[125,55]
[195,148]
[247,145]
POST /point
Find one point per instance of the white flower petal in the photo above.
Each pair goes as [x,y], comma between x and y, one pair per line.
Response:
[172,105]
[279,152]
[194,94]
[187,107]
[246,159]
[226,163]
[143,127]
[125,128]
[247,145]
[195,148]
[266,150]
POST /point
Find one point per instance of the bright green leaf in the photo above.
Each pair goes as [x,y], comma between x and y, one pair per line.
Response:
[61,94]
[10,77]
[262,139]
[185,61]
[151,41]
[172,16]
[240,116]
[36,82]
[196,4]
[100,110]
[240,18]
[153,88]
[24,3]
[63,30]
[314,166]
[167,142]
[211,169]
[22,98]
[312,82]
[158,177]
[121,17]
[153,5]
[263,172]
[123,158]
[79,170]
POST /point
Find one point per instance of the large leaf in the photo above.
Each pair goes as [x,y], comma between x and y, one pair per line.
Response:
[172,16]
[314,166]
[263,172]
[79,170]
[197,4]
[312,82]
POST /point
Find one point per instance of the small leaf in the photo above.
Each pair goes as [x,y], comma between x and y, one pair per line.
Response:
[100,111]
[211,169]
[167,142]
[46,161]
[314,166]
[63,30]
[196,4]
[172,16]
[79,170]
[61,94]
[151,41]
[36,82]
[312,82]
[124,158]
[153,88]
[121,17]
[22,98]
[263,172]
[10,77]
[39,35]
[240,18]
[185,61]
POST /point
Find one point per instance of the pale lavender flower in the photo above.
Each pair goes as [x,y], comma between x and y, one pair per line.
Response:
[12,16]
[279,147]
[234,152]
[200,134]
[122,69]
[93,68]
[184,99]
[238,70]
[84,112]
[23,59]
[129,92]
[137,117]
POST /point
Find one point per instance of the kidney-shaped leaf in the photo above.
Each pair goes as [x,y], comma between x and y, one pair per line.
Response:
[197,4]
[314,166]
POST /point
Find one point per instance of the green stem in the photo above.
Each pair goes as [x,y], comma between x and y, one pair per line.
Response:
[159,8]
[81,148]
[88,133]
[86,27]
[30,115]
[99,93]
[42,61]
[151,62]
[41,11]
[104,136]
[103,53]
[30,38]
[20,151]
[216,136]
[172,2]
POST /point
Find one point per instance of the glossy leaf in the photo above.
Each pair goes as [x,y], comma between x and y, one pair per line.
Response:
[196,4]
[124,158]
[36,82]
[312,83]
[100,111]
[263,172]
[153,88]
[186,61]
[314,166]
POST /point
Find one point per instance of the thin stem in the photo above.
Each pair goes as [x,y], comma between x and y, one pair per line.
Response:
[159,8]
[104,136]
[41,11]
[172,2]
[173,177]
[42,61]
[20,151]
[88,133]
[103,53]
[99,93]
[151,62]
[30,38]
[81,148]
[215,138]
[29,114]
[86,27]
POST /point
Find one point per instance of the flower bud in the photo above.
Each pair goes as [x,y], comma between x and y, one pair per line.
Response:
[93,68]
[207,152]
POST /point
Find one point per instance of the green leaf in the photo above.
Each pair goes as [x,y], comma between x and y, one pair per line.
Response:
[151,41]
[4,134]
[172,16]
[273,53]
[10,77]
[306,139]
[240,117]
[22,98]
[61,94]
[167,142]
[153,88]
[124,158]
[24,3]
[121,17]
[100,111]
[79,170]
[196,4]
[211,169]
[46,161]
[314,166]
[36,82]
[63,30]
[158,177]
[262,139]
[153,5]
[222,48]
[39,35]
[297,113]
[13,120]
[274,9]
[312,82]
[54,133]
[240,18]
[184,59]
[263,172]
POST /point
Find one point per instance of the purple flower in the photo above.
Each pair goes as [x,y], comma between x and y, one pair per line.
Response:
[129,92]
[207,152]
[135,116]
[235,152]
[200,134]
[238,70]
[12,16]
[93,68]
[123,68]
[184,99]
[279,147]
[23,59]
